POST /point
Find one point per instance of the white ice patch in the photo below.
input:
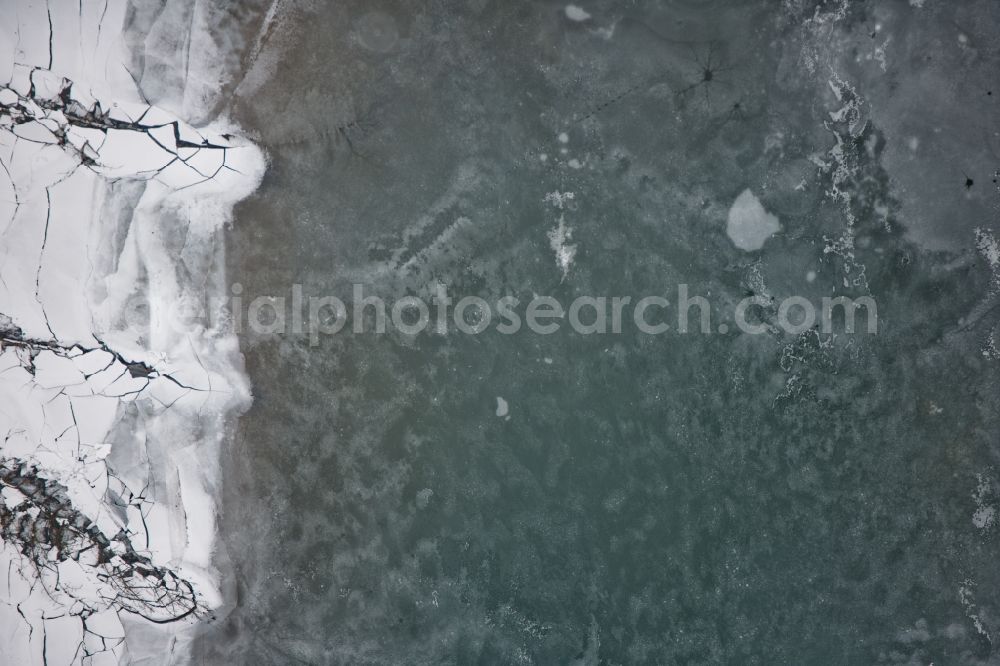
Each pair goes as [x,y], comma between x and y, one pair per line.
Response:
[560,236]
[559,242]
[985,514]
[749,225]
[984,517]
[575,13]
[989,249]
[966,595]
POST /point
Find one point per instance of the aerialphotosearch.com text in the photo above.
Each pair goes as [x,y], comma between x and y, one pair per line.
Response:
[313,316]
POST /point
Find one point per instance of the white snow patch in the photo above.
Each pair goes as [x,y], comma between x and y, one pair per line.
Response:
[559,242]
[966,595]
[502,407]
[984,517]
[560,236]
[989,248]
[985,513]
[576,13]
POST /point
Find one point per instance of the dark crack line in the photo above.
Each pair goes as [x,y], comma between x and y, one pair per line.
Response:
[14,337]
[48,529]
[26,110]
[41,256]
[48,11]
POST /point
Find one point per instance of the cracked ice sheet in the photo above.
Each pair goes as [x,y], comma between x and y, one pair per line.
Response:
[123,417]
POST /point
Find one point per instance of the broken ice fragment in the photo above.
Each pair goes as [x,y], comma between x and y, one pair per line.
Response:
[749,225]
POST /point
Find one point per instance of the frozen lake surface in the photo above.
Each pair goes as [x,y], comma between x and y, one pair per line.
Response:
[733,487]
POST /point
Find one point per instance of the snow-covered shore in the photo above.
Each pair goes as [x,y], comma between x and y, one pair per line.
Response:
[118,381]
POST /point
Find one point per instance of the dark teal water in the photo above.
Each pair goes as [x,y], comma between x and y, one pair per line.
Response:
[675,499]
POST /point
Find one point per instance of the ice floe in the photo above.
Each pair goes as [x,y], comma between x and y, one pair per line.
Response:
[749,225]
[112,421]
